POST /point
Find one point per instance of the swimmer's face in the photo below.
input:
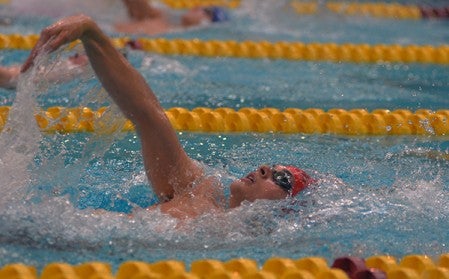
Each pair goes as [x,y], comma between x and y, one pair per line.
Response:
[256,185]
[79,59]
[194,17]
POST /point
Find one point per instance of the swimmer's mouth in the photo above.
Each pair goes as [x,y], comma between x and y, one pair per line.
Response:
[250,177]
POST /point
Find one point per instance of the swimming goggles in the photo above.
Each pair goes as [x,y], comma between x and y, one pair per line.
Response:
[282,178]
[216,13]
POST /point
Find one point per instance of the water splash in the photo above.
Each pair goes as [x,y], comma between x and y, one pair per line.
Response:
[368,187]
[19,140]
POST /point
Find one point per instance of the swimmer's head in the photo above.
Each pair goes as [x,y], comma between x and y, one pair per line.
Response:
[198,15]
[270,183]
[79,59]
[216,13]
[300,180]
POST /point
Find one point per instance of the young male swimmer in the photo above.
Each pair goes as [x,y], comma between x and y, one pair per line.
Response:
[185,191]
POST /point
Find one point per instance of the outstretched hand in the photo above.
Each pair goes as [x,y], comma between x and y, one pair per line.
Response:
[60,33]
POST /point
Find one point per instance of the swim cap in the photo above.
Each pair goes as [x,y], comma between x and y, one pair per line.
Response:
[134,44]
[302,179]
[217,14]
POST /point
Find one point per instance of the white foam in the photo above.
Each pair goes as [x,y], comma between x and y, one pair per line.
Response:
[19,141]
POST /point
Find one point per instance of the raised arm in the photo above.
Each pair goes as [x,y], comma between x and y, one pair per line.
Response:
[167,165]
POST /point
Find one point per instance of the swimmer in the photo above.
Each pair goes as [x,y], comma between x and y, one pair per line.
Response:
[148,20]
[63,71]
[181,184]
[9,76]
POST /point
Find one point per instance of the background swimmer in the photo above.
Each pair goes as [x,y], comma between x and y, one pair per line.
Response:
[9,76]
[179,181]
[62,71]
[145,19]
[148,20]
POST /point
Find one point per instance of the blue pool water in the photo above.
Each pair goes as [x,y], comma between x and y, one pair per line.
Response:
[192,82]
[376,195]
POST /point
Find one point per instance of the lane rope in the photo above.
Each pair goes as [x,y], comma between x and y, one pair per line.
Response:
[188,4]
[355,53]
[292,120]
[372,9]
[376,266]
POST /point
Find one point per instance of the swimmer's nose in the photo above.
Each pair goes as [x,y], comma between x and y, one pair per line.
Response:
[265,171]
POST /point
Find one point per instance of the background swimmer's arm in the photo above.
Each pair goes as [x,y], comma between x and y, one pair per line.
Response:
[141,9]
[167,165]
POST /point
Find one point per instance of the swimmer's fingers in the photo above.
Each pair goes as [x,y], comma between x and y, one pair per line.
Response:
[45,36]
[47,43]
[30,60]
[53,37]
[56,41]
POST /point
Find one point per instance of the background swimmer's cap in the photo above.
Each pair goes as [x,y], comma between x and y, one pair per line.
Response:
[216,13]
[133,44]
[302,179]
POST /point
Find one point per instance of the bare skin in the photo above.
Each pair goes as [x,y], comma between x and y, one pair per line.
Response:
[147,20]
[178,180]
[8,76]
[72,67]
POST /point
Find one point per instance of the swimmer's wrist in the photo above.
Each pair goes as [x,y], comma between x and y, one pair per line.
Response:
[90,29]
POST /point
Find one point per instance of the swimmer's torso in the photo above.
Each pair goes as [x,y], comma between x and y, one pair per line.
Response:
[148,26]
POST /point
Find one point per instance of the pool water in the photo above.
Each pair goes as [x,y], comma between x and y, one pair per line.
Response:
[228,82]
[375,195]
